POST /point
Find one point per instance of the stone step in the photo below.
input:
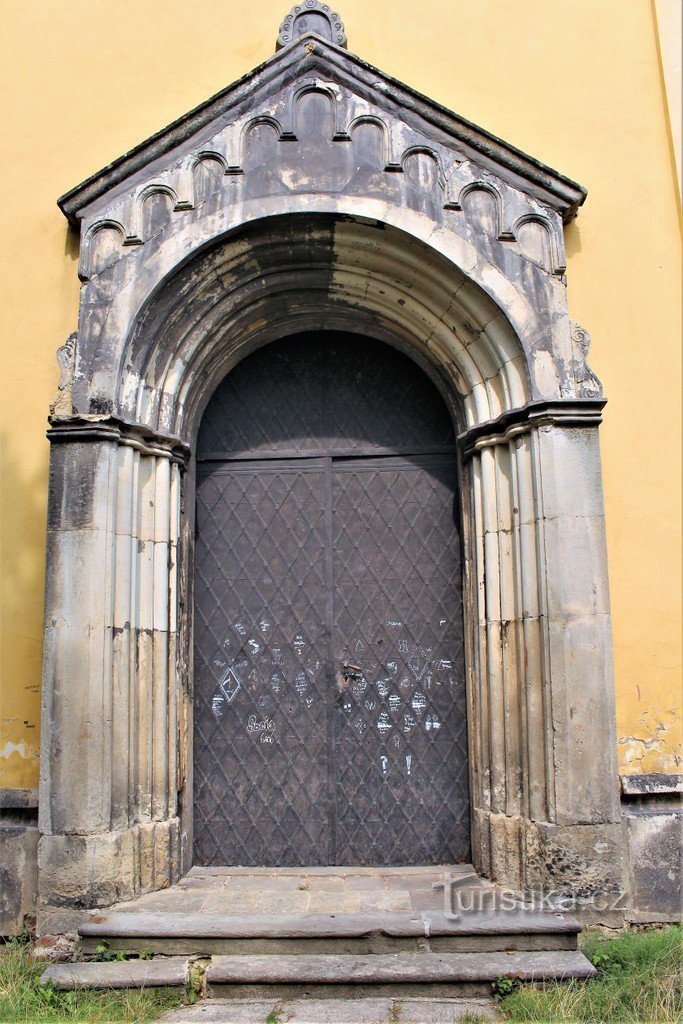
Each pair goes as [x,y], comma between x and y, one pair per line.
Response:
[334,1011]
[389,975]
[331,976]
[427,931]
[169,971]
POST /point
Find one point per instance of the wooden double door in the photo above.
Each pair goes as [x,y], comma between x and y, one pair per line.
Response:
[329,702]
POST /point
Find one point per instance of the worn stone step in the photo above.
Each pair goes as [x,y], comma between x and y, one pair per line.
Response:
[331,933]
[398,974]
[334,1011]
[169,971]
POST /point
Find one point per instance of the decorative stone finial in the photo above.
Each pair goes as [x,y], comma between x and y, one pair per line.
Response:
[311,16]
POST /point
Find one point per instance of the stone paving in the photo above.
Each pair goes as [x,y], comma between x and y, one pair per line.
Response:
[334,1011]
[303,890]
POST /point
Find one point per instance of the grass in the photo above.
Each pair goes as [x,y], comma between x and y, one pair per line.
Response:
[24,1001]
[638,982]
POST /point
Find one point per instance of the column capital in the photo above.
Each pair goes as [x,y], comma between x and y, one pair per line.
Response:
[574,412]
[80,429]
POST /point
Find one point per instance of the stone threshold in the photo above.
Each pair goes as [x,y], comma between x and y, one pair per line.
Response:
[317,926]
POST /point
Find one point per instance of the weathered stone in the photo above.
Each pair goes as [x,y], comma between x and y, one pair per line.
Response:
[56,949]
[169,971]
[652,816]
[396,968]
[77,872]
[335,1011]
[18,873]
[176,924]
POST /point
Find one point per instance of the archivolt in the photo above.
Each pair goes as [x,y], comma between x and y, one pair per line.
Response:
[296,273]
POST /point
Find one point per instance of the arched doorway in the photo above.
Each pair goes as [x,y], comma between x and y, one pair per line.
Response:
[329,695]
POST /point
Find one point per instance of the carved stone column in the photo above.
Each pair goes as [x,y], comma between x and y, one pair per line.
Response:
[108,801]
[546,811]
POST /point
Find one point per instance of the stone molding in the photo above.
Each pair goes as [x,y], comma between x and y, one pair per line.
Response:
[455,183]
[310,56]
[18,799]
[651,786]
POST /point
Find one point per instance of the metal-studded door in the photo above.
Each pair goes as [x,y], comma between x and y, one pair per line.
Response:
[329,682]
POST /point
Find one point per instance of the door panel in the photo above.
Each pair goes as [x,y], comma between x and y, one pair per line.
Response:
[325,393]
[401,739]
[261,657]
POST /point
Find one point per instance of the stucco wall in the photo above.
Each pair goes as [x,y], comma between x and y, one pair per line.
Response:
[575,83]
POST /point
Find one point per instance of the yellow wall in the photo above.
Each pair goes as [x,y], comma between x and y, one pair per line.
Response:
[575,83]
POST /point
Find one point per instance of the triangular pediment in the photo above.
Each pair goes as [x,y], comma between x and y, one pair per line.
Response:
[401,124]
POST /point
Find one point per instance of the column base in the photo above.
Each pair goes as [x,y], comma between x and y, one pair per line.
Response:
[77,873]
[578,867]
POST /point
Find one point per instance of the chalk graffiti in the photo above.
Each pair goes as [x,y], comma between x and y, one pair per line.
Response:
[384,722]
[416,665]
[419,703]
[230,684]
[358,687]
[264,729]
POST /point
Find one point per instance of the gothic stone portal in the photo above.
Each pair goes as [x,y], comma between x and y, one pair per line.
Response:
[320,194]
[329,711]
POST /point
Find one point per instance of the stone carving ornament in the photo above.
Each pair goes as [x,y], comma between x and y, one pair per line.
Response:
[311,16]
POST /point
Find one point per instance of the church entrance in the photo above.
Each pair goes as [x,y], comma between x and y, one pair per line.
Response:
[329,694]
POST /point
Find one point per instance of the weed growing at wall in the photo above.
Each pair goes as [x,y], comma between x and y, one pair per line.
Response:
[24,1001]
[638,982]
